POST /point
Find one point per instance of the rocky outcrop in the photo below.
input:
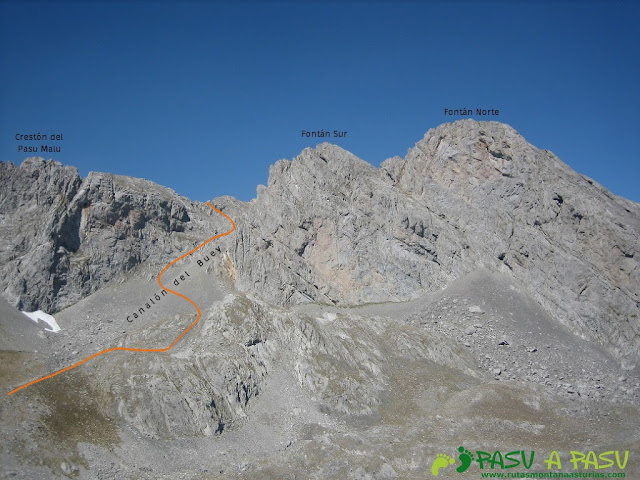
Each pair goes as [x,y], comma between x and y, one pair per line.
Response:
[328,228]
[331,228]
[64,237]
[508,255]
[524,211]
[33,202]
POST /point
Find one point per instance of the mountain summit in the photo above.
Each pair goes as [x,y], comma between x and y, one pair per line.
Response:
[333,229]
[497,304]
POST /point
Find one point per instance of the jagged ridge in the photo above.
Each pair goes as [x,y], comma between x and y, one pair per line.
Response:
[331,228]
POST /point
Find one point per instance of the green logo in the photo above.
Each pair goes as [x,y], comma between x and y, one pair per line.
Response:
[523,459]
[443,461]
[465,457]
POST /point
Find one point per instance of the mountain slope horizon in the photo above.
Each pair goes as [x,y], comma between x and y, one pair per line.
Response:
[333,229]
[358,323]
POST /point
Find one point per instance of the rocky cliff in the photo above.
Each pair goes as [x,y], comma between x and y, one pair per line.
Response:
[64,237]
[476,263]
[333,229]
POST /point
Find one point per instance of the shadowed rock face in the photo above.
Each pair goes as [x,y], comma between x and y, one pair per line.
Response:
[331,228]
[282,377]
[64,237]
[34,200]
[523,210]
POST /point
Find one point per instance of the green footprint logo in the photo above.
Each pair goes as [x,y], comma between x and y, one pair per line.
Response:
[465,457]
[441,461]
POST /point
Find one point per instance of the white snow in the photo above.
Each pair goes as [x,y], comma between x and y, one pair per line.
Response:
[46,318]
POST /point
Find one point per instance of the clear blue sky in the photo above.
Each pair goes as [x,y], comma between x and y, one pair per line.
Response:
[203,97]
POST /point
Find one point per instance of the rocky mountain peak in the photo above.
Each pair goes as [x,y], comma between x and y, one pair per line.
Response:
[461,155]
[65,237]
[325,161]
[39,162]
[468,195]
[331,228]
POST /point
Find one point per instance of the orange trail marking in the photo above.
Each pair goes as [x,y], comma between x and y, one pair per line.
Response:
[128,349]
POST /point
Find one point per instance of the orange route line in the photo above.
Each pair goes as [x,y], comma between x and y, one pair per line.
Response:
[128,349]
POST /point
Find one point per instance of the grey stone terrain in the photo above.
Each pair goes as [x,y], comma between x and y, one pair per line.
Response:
[66,237]
[359,321]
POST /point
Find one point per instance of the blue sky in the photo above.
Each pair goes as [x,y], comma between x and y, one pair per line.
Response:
[202,97]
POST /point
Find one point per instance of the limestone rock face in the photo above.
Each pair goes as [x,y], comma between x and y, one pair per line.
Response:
[331,228]
[507,255]
[327,228]
[64,237]
[524,211]
[33,201]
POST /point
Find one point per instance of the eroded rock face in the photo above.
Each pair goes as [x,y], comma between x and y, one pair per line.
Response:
[331,228]
[208,383]
[521,242]
[328,228]
[64,237]
[211,377]
[33,201]
[523,210]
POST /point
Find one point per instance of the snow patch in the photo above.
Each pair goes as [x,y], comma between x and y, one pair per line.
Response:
[46,318]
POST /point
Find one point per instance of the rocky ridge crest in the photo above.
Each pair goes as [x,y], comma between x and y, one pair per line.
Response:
[330,228]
